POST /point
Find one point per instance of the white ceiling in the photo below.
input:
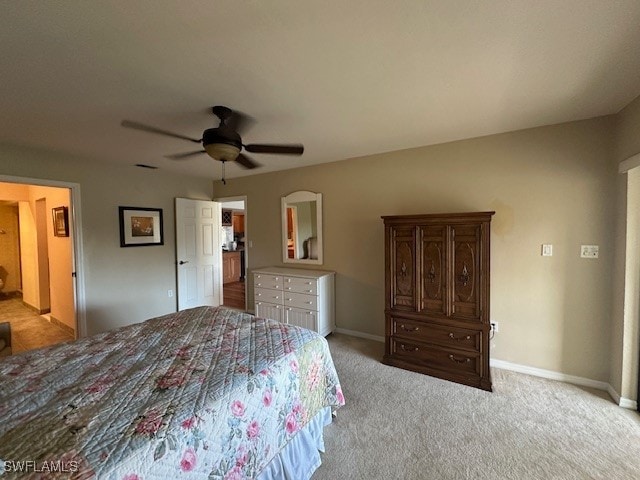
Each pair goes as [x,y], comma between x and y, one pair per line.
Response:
[346,78]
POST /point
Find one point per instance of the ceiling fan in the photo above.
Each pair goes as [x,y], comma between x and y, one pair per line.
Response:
[223,143]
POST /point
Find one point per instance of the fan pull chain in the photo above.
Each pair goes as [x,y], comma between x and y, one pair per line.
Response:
[224,182]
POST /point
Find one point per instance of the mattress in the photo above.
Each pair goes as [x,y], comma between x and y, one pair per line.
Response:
[208,393]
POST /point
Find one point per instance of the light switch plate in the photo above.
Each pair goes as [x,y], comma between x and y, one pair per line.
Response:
[547,250]
[589,251]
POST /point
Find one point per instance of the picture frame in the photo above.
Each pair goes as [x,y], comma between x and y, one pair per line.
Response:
[60,221]
[140,227]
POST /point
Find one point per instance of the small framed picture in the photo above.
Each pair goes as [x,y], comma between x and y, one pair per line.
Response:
[60,221]
[140,226]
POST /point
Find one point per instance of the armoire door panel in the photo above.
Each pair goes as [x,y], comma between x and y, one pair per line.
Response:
[403,282]
[433,275]
[466,271]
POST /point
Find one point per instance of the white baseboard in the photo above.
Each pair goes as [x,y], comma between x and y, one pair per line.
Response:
[536,372]
[354,333]
[563,377]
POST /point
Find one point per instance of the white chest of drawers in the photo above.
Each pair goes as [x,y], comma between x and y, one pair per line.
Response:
[299,297]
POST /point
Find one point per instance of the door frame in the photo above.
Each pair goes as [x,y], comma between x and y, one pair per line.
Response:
[242,198]
[78,252]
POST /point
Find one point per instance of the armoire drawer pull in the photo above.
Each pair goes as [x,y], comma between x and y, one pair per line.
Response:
[451,335]
[408,349]
[454,359]
[409,329]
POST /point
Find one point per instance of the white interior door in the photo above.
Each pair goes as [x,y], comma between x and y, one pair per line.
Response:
[198,253]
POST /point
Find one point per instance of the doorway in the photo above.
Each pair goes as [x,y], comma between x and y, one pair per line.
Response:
[235,245]
[40,274]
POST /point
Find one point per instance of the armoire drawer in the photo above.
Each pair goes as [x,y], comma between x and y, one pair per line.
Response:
[301,285]
[263,280]
[454,337]
[442,359]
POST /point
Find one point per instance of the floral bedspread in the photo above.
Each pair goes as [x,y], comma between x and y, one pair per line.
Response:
[207,393]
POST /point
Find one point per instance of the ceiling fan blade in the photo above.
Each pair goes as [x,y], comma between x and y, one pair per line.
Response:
[147,128]
[294,149]
[246,162]
[240,122]
[180,156]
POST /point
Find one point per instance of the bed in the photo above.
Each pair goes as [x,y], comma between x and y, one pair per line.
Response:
[206,393]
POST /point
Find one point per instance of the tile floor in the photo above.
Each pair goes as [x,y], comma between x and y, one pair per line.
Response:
[28,329]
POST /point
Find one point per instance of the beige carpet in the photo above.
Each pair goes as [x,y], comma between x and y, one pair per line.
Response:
[403,425]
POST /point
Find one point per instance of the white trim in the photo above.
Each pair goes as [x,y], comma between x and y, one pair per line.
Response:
[628,403]
[353,333]
[622,401]
[563,377]
[550,374]
[78,258]
[631,162]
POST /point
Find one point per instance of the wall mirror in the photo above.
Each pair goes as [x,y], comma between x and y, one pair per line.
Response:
[302,228]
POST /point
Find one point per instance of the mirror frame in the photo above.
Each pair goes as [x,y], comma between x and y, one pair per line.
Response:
[296,197]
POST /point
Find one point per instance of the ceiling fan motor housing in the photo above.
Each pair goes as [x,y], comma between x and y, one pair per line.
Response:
[221,145]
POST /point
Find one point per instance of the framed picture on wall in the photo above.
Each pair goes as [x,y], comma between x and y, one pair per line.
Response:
[60,221]
[140,226]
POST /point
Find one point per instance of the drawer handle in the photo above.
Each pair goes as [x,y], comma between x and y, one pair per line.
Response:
[289,299]
[288,288]
[276,297]
[311,313]
[408,349]
[288,280]
[451,335]
[454,359]
[259,294]
[259,285]
[309,291]
[309,303]
[409,329]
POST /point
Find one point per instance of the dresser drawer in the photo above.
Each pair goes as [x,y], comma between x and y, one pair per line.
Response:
[300,300]
[268,295]
[262,280]
[442,359]
[301,285]
[454,337]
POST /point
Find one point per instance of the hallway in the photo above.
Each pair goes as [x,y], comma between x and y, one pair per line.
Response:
[28,329]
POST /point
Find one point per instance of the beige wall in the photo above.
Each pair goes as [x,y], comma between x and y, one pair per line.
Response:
[60,252]
[123,285]
[29,256]
[626,285]
[9,249]
[547,185]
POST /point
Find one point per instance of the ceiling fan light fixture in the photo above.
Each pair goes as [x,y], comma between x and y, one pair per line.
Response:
[222,151]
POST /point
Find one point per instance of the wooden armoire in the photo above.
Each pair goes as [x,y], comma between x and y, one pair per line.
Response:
[437,295]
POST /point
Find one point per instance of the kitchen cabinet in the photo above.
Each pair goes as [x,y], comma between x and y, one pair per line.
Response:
[231,267]
[238,223]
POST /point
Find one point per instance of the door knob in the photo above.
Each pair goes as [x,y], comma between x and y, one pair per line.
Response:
[182,262]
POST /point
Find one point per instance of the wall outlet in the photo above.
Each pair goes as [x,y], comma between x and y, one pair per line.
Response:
[589,251]
[495,326]
[170,293]
[547,250]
